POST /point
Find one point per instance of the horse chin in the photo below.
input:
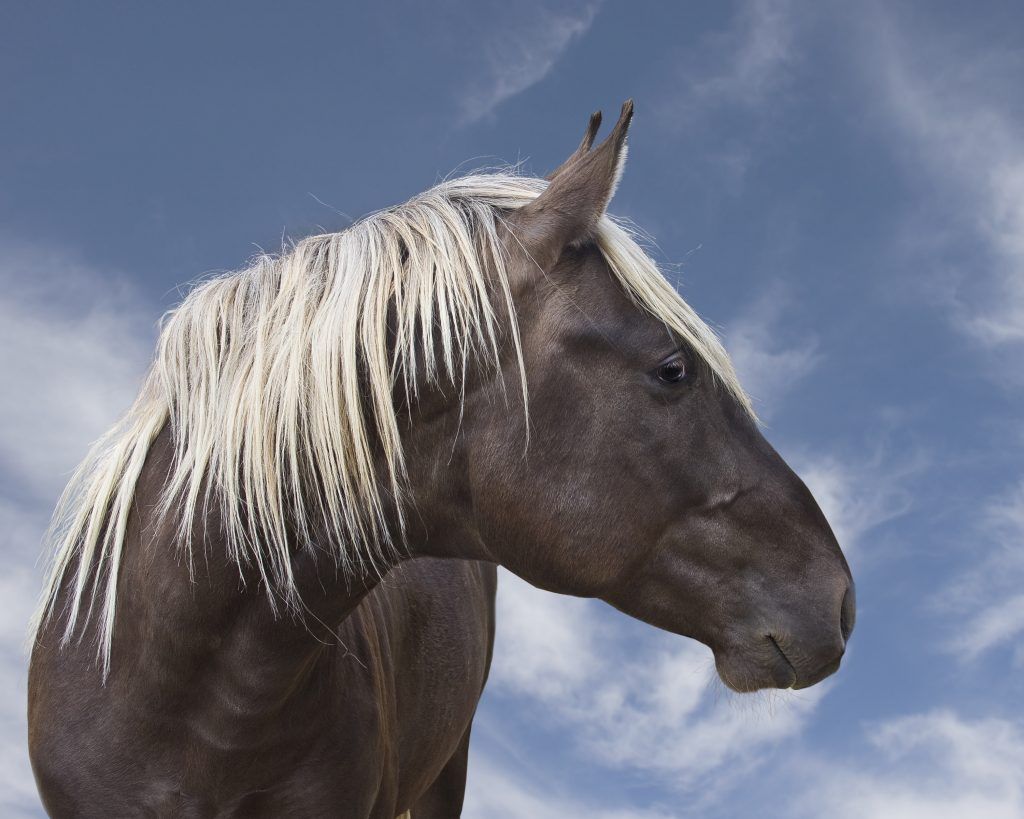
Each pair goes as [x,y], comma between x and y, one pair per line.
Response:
[757,668]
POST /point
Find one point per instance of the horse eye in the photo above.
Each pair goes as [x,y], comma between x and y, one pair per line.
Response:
[672,372]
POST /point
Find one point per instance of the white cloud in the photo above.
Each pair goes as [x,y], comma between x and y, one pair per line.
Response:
[856,495]
[19,589]
[522,51]
[749,62]
[495,792]
[997,623]
[652,704]
[987,598]
[768,364]
[75,346]
[953,98]
[936,765]
[548,647]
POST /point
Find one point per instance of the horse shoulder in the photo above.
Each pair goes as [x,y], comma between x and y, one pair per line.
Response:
[417,651]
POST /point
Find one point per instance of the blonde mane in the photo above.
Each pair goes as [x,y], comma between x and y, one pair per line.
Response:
[277,385]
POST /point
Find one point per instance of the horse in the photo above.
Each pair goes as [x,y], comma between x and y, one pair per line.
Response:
[273,581]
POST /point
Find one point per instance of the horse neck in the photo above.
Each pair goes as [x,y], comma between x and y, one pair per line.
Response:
[212,626]
[215,625]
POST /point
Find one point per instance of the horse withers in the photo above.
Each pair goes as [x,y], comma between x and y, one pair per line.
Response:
[273,583]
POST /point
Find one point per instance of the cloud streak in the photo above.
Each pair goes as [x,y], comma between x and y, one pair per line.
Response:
[739,74]
[521,53]
[953,101]
[769,364]
[754,57]
[987,599]
[857,495]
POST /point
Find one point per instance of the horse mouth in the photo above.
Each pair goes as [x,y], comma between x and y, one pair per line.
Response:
[783,673]
[754,659]
[757,666]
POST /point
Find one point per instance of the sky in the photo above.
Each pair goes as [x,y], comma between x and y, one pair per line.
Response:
[837,187]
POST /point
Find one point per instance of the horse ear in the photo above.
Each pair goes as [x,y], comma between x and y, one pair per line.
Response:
[588,140]
[578,193]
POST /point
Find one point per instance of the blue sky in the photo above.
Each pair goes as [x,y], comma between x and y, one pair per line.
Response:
[839,187]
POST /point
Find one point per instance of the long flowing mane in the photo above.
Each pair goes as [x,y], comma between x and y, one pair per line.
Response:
[277,383]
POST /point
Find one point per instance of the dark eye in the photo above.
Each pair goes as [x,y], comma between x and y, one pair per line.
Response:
[672,371]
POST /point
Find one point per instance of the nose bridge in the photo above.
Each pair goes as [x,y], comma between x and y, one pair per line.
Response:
[816,531]
[781,512]
[788,500]
[803,547]
[826,578]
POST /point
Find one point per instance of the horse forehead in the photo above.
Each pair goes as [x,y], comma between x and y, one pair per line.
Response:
[582,300]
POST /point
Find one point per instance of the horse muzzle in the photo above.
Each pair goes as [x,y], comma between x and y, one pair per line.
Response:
[796,655]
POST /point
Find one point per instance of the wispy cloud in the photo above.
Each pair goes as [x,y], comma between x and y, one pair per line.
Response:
[996,624]
[769,361]
[935,765]
[497,792]
[19,589]
[987,599]
[749,62]
[931,765]
[75,346]
[549,648]
[739,74]
[858,494]
[954,100]
[651,705]
[522,51]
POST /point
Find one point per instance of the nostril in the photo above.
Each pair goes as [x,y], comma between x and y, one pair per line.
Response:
[848,613]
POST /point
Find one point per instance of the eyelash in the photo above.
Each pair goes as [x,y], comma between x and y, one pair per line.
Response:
[673,371]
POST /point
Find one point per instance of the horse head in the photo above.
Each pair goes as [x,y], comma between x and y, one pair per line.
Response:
[646,481]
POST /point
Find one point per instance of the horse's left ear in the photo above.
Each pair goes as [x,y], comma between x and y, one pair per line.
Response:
[580,190]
